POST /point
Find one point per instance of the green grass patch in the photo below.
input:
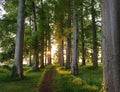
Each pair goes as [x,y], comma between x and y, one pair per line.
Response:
[30,83]
[89,79]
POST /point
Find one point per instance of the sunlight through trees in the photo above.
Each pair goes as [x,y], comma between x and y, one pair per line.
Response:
[69,34]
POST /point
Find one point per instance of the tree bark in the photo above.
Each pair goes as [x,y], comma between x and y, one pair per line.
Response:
[62,53]
[17,70]
[95,50]
[35,61]
[43,37]
[74,66]
[68,50]
[29,59]
[82,34]
[111,45]
[29,49]
[35,55]
[42,58]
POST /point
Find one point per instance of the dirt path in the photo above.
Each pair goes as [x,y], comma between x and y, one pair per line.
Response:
[46,85]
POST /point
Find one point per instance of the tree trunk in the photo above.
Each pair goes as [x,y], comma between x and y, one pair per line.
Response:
[95,50]
[35,55]
[82,34]
[111,45]
[62,53]
[17,70]
[42,57]
[74,66]
[29,49]
[29,59]
[35,61]
[43,36]
[45,45]
[68,50]
[45,57]
[42,49]
[49,49]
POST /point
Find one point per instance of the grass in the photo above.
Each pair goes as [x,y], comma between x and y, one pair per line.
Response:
[89,79]
[30,83]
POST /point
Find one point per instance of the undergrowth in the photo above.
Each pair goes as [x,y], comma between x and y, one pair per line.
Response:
[30,83]
[89,79]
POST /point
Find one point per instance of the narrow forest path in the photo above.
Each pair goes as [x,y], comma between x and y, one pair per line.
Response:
[46,85]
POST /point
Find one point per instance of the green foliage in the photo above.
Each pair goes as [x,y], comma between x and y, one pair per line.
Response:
[8,30]
[8,53]
[87,26]
[88,80]
[51,17]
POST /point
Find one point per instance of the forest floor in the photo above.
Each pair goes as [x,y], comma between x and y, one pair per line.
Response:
[46,85]
[58,79]
[53,78]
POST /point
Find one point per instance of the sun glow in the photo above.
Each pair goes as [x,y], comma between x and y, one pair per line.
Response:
[53,52]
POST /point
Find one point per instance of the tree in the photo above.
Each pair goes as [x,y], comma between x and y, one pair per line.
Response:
[111,45]
[42,25]
[61,50]
[35,55]
[68,48]
[28,42]
[74,66]
[8,27]
[47,10]
[59,29]
[95,52]
[17,70]
[49,46]
[82,34]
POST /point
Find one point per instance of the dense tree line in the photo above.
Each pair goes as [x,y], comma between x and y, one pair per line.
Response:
[73,25]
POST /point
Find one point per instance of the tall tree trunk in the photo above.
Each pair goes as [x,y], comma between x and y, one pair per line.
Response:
[49,43]
[17,70]
[68,50]
[49,48]
[95,50]
[82,34]
[45,44]
[29,49]
[74,66]
[35,55]
[111,45]
[43,37]
[49,38]
[62,53]
[45,48]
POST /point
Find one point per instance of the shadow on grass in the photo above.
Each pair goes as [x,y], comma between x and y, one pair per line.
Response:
[30,83]
[89,79]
